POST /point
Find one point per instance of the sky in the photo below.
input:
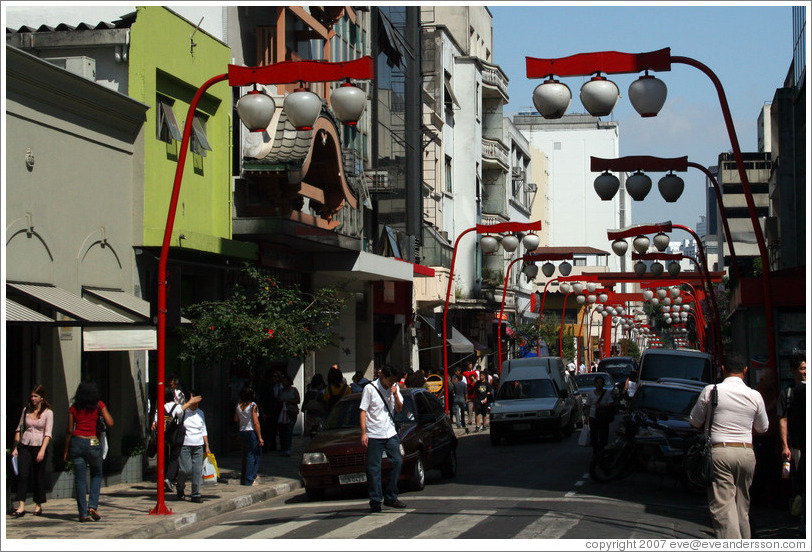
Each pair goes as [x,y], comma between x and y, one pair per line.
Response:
[748,47]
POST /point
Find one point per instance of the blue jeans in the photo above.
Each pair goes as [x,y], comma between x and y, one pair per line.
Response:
[253,453]
[191,463]
[285,436]
[459,412]
[375,452]
[83,454]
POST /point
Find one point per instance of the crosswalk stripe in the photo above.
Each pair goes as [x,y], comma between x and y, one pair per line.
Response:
[453,526]
[278,530]
[552,525]
[364,524]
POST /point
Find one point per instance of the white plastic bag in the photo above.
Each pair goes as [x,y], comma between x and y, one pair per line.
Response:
[584,440]
[209,470]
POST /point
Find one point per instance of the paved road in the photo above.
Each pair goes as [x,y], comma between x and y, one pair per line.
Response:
[537,490]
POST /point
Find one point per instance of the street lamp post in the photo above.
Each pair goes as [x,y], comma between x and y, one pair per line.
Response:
[662,164]
[256,113]
[648,105]
[528,259]
[498,228]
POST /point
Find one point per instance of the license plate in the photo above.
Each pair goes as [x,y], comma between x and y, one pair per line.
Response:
[521,427]
[350,478]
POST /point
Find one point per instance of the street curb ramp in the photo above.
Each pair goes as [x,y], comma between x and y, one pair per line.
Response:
[176,522]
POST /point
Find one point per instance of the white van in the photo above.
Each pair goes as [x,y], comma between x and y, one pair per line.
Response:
[535,397]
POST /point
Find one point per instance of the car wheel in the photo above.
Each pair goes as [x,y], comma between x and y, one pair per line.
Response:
[496,438]
[314,494]
[418,481]
[449,467]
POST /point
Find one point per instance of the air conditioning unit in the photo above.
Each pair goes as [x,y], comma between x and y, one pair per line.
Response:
[78,65]
[377,180]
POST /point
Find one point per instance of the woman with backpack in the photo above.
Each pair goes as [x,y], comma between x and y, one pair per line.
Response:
[173,433]
[336,387]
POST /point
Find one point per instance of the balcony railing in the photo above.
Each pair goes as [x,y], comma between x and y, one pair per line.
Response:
[496,151]
[492,75]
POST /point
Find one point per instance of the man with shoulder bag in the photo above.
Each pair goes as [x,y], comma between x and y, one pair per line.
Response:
[739,412]
[380,400]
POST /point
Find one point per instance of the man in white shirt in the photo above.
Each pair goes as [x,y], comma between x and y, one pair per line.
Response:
[739,412]
[380,400]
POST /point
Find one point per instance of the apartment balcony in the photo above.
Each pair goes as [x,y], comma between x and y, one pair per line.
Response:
[495,154]
[495,82]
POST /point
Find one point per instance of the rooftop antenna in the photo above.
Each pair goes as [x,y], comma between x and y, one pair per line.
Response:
[192,38]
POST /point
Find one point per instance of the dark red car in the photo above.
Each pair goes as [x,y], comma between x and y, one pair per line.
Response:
[335,457]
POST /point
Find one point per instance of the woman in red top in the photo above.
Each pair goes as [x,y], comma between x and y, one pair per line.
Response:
[83,446]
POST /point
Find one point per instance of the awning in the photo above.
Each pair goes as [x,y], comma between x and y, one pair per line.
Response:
[80,310]
[130,304]
[366,266]
[15,312]
[118,338]
[459,343]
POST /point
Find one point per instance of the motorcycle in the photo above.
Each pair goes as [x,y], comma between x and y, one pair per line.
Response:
[646,444]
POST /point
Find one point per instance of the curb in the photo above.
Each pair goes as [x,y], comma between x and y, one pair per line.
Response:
[181,521]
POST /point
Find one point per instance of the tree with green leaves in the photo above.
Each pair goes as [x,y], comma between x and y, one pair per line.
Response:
[520,334]
[261,320]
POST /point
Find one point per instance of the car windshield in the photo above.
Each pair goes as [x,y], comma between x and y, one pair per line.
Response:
[588,380]
[675,366]
[347,413]
[618,370]
[666,399]
[526,389]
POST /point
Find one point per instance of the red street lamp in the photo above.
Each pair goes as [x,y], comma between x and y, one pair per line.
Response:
[641,229]
[256,110]
[647,96]
[498,228]
[662,164]
[528,259]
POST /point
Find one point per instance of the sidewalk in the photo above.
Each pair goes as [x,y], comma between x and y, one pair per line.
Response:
[125,508]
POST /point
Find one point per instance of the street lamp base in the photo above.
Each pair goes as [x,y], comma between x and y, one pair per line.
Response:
[160,510]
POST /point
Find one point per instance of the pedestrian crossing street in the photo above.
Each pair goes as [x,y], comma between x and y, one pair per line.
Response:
[575,516]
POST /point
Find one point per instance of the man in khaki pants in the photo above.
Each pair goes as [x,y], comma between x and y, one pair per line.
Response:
[739,412]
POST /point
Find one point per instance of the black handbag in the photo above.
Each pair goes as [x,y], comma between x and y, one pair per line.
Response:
[101,425]
[705,462]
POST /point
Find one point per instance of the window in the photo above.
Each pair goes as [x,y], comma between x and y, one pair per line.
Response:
[198,142]
[579,261]
[448,176]
[167,124]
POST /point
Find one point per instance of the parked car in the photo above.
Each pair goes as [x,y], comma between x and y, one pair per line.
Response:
[535,398]
[675,363]
[669,402]
[335,457]
[619,367]
[586,384]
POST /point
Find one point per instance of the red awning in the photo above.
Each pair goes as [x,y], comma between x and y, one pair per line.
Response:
[419,270]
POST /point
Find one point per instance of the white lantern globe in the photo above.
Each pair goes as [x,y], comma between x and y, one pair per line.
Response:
[647,95]
[603,297]
[548,269]
[564,268]
[552,99]
[530,242]
[302,108]
[489,244]
[256,110]
[510,243]
[348,103]
[599,96]
[564,287]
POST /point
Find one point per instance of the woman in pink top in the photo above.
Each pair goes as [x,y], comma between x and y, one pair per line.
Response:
[30,444]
